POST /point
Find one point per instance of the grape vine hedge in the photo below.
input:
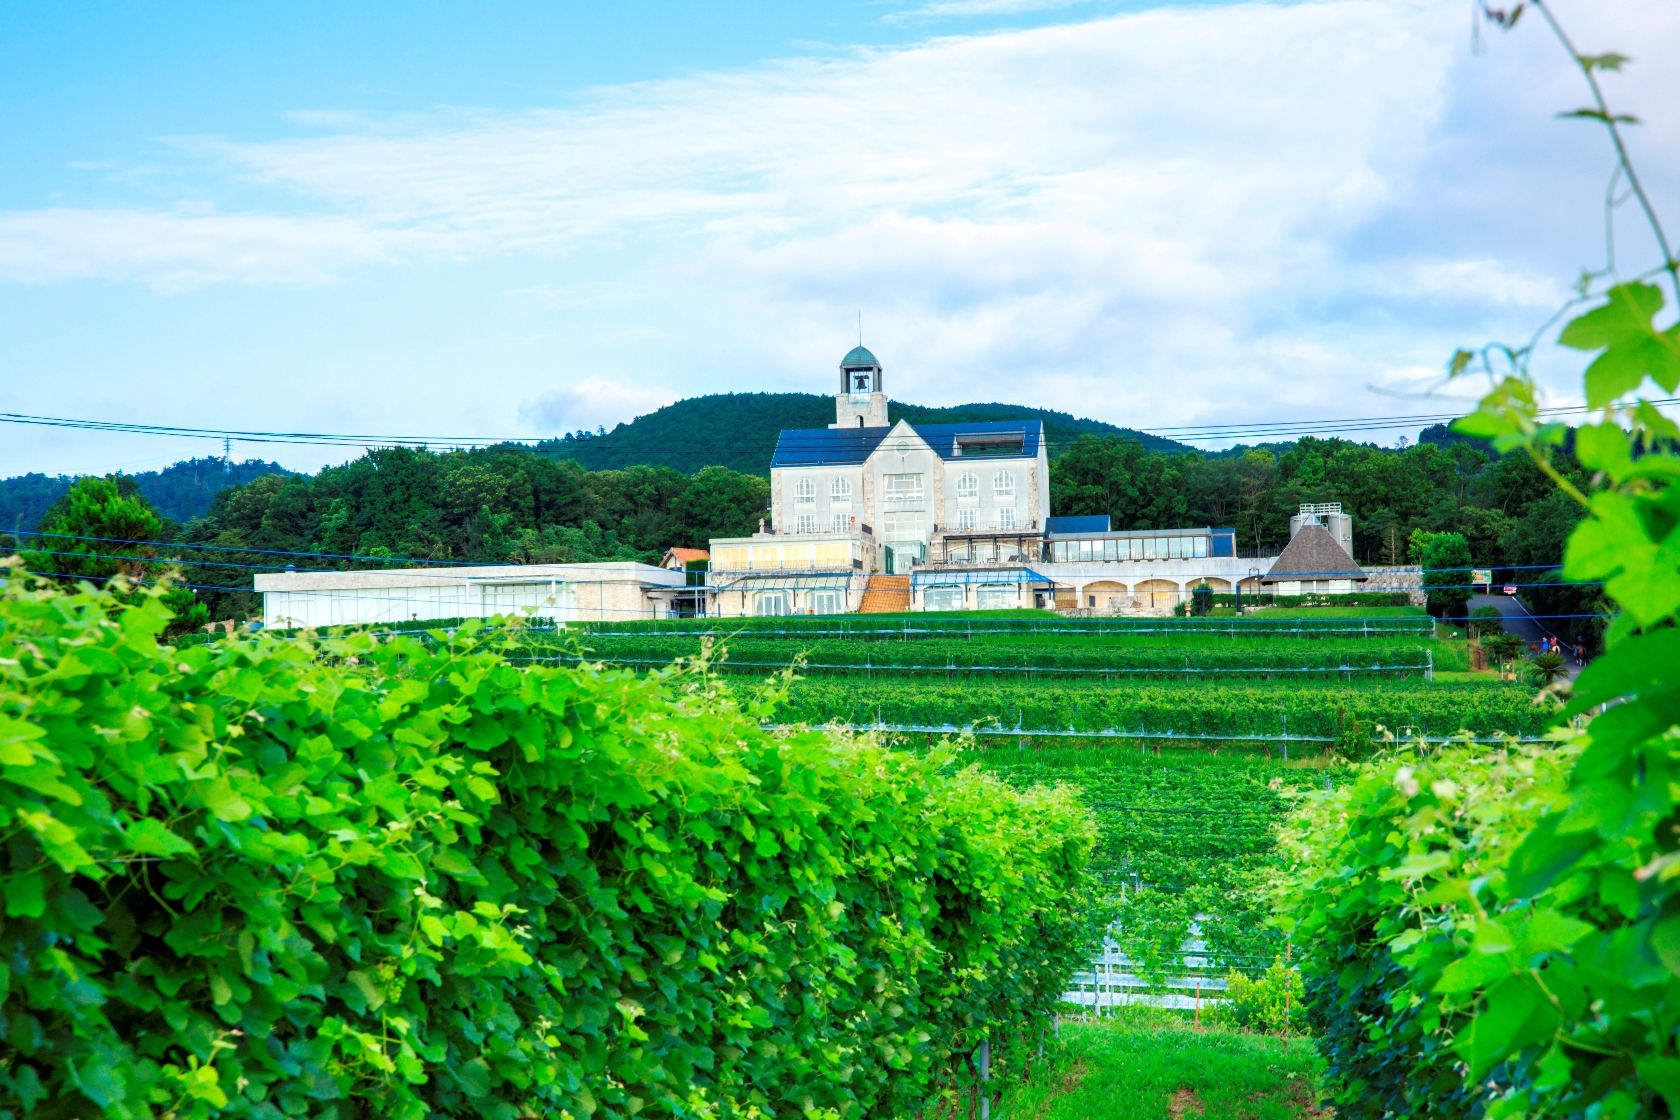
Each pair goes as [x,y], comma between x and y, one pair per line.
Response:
[342,877]
[964,660]
[933,624]
[1214,709]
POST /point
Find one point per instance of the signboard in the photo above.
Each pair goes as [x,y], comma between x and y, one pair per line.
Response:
[1482,576]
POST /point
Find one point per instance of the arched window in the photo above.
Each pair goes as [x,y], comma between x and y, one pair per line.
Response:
[805,491]
[840,490]
[1003,484]
[968,486]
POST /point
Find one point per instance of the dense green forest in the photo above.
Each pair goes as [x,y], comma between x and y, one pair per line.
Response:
[179,492]
[739,430]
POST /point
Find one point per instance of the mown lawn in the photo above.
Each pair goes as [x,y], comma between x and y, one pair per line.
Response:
[1142,1070]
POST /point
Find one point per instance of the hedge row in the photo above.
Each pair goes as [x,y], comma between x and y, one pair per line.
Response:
[956,659]
[933,625]
[1211,710]
[339,877]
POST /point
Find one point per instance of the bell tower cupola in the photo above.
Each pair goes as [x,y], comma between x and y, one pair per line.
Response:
[861,402]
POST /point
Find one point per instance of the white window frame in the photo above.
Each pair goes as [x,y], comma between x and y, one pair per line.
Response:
[1003,484]
[968,519]
[968,485]
[772,603]
[840,489]
[943,599]
[805,523]
[805,491]
[1003,517]
[903,488]
[892,534]
[990,597]
[839,522]
[827,602]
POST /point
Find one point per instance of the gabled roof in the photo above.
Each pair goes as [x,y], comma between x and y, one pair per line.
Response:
[684,555]
[1314,554]
[809,447]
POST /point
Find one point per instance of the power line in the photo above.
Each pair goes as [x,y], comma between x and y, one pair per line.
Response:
[1188,433]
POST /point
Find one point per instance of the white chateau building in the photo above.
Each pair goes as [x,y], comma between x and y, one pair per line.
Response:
[870,515]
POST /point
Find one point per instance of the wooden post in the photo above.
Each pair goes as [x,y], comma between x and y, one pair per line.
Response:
[986,1077]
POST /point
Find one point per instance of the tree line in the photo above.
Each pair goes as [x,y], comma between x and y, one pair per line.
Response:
[500,505]
[513,505]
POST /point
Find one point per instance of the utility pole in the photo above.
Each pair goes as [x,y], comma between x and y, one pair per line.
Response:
[227,453]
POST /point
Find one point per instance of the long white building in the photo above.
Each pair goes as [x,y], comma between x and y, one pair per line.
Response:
[619,591]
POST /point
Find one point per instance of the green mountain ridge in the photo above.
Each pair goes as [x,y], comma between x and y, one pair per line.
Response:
[739,430]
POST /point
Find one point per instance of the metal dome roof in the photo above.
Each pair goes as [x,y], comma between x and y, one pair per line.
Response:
[859,358]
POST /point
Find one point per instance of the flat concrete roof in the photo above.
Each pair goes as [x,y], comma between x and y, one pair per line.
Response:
[622,571]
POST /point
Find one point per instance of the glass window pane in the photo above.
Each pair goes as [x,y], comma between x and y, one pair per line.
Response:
[1059,551]
[1201,546]
[1109,552]
[1149,548]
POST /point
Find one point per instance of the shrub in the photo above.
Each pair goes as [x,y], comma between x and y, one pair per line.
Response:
[1446,563]
[1486,621]
[337,876]
[1270,1002]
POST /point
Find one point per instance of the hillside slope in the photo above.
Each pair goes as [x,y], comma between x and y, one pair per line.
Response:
[180,492]
[738,430]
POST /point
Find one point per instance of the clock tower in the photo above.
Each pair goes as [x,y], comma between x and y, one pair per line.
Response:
[861,402]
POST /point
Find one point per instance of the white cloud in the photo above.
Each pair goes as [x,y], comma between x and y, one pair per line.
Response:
[592,402]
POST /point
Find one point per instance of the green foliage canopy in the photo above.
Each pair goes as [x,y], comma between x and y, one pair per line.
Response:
[406,878]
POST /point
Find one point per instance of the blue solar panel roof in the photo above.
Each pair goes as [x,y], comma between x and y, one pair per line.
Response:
[809,447]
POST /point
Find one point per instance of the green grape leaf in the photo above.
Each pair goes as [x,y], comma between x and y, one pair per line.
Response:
[1604,447]
[1663,1075]
[1642,575]
[150,837]
[1633,347]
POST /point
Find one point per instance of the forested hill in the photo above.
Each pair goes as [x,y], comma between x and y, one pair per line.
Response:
[180,492]
[738,431]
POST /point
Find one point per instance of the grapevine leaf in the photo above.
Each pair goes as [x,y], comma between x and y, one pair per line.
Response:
[150,837]
[1544,856]
[1608,61]
[1663,1075]
[1632,346]
[1604,447]
[1640,574]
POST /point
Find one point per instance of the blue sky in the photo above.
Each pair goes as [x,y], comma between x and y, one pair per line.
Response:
[520,219]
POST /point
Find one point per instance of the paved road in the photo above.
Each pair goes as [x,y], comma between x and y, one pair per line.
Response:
[1519,622]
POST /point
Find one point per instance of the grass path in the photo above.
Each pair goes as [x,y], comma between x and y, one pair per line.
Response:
[1126,1071]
